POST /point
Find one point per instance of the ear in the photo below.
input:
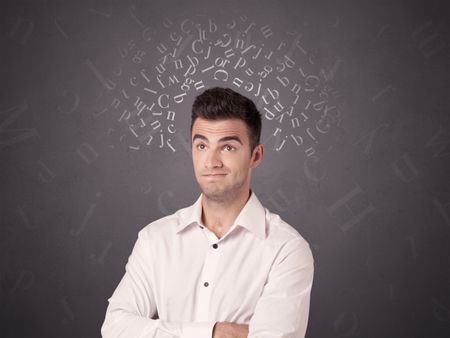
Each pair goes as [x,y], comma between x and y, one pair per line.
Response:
[257,156]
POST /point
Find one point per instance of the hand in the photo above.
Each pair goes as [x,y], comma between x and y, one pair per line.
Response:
[230,330]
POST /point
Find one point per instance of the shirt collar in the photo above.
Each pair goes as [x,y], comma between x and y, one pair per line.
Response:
[252,216]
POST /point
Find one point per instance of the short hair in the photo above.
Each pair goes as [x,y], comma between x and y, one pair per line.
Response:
[224,103]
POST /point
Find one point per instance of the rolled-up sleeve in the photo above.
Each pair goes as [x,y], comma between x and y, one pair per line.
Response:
[132,309]
[282,310]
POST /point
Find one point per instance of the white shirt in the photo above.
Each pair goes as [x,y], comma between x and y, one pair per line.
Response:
[181,279]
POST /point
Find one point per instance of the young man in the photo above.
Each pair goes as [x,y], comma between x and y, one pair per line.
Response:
[225,267]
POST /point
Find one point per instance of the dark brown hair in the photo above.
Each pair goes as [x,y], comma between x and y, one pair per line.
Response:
[224,103]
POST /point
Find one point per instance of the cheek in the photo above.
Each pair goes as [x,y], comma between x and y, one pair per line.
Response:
[198,161]
[195,163]
[240,167]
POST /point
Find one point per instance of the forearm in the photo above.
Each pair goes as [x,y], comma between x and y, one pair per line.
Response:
[230,330]
[123,323]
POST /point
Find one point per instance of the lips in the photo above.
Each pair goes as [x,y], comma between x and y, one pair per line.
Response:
[214,175]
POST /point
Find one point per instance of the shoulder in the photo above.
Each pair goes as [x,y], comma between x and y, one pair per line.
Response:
[279,230]
[284,236]
[162,227]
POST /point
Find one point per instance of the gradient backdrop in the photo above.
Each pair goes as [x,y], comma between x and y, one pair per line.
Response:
[94,145]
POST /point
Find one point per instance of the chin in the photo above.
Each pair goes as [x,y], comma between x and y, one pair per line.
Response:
[219,195]
[216,197]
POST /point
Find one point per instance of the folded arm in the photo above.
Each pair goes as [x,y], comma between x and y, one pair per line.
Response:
[132,309]
[282,310]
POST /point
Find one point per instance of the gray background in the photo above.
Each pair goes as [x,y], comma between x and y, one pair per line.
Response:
[357,149]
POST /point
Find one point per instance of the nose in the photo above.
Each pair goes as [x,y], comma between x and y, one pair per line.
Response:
[213,160]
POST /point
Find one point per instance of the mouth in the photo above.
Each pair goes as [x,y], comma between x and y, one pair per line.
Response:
[216,175]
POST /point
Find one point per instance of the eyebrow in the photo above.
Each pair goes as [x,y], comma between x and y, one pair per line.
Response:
[223,139]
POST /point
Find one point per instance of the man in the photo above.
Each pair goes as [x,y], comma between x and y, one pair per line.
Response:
[225,267]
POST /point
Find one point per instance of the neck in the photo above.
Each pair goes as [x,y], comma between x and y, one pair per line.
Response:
[220,216]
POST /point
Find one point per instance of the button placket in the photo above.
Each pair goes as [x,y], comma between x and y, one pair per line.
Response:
[207,284]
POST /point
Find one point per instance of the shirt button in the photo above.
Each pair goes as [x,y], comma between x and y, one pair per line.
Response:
[200,227]
[215,246]
[206,284]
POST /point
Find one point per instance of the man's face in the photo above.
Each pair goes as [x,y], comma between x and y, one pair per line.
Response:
[222,158]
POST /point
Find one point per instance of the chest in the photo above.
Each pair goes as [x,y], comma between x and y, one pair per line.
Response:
[203,282]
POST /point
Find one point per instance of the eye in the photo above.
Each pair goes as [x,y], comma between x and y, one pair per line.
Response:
[228,147]
[200,146]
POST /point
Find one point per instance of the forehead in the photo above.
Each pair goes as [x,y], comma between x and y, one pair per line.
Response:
[213,129]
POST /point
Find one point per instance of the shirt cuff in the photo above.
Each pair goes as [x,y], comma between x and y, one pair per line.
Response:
[198,330]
